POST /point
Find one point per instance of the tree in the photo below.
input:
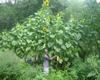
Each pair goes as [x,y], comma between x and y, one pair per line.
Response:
[12,12]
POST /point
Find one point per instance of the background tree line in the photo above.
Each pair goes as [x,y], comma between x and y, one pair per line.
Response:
[12,13]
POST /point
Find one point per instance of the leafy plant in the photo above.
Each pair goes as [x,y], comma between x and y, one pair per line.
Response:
[9,66]
[88,70]
[44,31]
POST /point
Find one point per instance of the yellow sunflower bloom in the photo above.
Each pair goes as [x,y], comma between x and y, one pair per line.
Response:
[46,2]
[45,29]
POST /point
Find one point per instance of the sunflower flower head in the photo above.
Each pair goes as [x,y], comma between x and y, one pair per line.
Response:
[46,3]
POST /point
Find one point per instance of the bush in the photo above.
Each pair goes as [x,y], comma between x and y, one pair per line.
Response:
[13,68]
[9,66]
[89,69]
[30,73]
[36,73]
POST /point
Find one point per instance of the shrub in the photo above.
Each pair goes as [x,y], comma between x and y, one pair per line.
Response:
[89,69]
[9,66]
[36,73]
[31,73]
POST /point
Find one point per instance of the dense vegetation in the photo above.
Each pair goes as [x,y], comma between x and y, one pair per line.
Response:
[68,29]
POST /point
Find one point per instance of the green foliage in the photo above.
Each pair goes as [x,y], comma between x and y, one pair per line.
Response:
[29,73]
[9,66]
[12,13]
[7,14]
[88,70]
[13,68]
[37,74]
[45,31]
[75,38]
[72,35]
[62,75]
